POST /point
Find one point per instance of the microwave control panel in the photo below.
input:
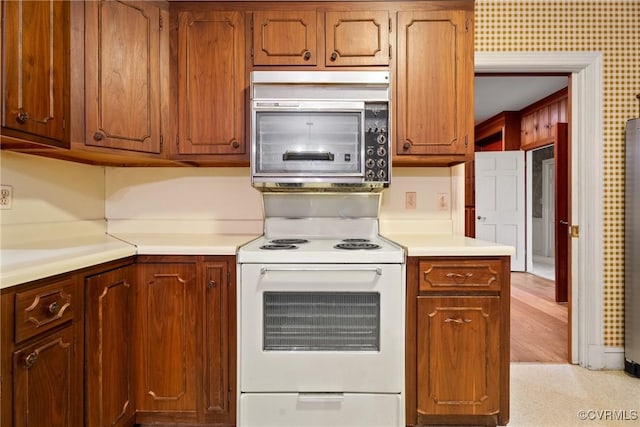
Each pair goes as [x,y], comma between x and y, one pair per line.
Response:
[377,151]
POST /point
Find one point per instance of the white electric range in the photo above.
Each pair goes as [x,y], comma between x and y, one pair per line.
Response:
[321,316]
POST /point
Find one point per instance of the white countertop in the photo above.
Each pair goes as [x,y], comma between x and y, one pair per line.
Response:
[26,259]
[448,245]
[48,258]
[186,243]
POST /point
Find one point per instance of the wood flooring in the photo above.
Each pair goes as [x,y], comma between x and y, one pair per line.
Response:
[538,323]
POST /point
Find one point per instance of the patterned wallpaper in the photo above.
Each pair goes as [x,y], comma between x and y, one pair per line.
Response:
[608,26]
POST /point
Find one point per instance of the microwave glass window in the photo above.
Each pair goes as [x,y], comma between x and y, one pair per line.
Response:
[303,141]
[321,321]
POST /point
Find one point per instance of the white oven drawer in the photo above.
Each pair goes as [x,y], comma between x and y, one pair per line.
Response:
[320,410]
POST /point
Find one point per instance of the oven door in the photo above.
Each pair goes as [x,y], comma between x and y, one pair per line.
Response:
[321,328]
[295,141]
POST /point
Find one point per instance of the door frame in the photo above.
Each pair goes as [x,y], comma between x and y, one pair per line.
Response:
[586,136]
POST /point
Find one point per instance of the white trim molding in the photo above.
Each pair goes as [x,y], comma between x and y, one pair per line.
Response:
[587,144]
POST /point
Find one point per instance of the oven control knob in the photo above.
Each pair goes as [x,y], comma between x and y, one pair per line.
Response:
[369,174]
[382,139]
[382,163]
[370,163]
[382,151]
[382,174]
[370,151]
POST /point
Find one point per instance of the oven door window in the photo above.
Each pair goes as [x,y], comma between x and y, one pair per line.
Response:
[320,142]
[321,321]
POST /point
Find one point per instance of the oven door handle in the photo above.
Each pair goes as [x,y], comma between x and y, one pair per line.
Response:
[265,270]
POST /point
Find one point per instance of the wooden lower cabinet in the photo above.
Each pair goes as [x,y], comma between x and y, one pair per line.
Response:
[458,355]
[42,367]
[108,343]
[457,363]
[166,329]
[184,330]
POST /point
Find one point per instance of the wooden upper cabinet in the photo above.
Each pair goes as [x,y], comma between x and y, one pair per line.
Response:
[211,83]
[35,46]
[125,41]
[285,38]
[344,38]
[357,38]
[538,120]
[434,102]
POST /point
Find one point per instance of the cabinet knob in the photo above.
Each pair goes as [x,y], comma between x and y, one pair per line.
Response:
[235,144]
[306,55]
[406,145]
[22,117]
[211,284]
[30,359]
[334,56]
[53,308]
[98,136]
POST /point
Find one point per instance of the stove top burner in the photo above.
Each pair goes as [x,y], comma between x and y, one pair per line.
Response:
[288,241]
[357,245]
[276,247]
[356,240]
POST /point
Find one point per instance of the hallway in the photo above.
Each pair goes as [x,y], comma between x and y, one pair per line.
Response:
[538,323]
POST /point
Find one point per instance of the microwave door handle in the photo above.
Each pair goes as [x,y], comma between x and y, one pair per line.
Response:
[308,155]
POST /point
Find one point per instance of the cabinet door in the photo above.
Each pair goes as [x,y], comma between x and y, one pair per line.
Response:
[35,46]
[285,38]
[434,103]
[165,338]
[543,123]
[458,355]
[211,83]
[217,391]
[122,75]
[357,38]
[47,378]
[109,311]
[528,129]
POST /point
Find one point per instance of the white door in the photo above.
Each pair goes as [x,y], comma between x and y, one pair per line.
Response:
[321,328]
[500,196]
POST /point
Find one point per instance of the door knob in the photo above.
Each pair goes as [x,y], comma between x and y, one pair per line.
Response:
[564,222]
[482,217]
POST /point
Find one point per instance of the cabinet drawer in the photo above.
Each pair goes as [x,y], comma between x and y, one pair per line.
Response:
[442,275]
[43,308]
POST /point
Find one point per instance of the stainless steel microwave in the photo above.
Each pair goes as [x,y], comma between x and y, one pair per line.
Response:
[322,130]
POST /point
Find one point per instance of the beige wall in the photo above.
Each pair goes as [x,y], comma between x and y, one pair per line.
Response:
[611,27]
[226,194]
[50,191]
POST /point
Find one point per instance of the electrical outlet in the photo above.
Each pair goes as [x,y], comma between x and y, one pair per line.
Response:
[410,200]
[443,201]
[6,196]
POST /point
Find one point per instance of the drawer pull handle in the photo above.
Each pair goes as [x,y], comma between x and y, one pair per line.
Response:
[334,56]
[457,320]
[53,308]
[459,278]
[30,359]
[306,55]
[235,143]
[211,284]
